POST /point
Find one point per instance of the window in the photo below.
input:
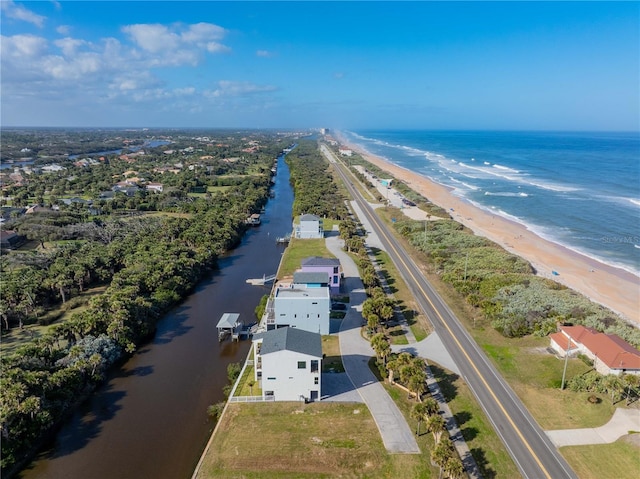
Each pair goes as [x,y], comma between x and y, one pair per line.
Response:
[315,380]
[335,270]
[335,280]
[302,365]
[271,379]
[314,365]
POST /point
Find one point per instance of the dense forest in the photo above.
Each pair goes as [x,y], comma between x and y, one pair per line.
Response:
[141,263]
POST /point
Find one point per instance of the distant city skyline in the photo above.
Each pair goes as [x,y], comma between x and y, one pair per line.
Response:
[349,65]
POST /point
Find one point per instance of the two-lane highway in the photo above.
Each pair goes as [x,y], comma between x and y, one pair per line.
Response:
[530,448]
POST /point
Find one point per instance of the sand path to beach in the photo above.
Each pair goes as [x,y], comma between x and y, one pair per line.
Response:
[612,287]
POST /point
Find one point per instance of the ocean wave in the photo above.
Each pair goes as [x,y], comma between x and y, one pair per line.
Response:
[506,193]
[505,168]
[466,185]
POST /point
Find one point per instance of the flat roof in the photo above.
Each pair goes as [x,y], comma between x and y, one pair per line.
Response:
[317,293]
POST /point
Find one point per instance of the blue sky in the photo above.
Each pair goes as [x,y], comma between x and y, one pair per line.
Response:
[356,65]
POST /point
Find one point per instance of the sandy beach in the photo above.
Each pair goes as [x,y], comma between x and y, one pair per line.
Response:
[612,287]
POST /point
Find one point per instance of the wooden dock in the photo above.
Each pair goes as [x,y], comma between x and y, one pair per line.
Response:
[261,281]
[283,239]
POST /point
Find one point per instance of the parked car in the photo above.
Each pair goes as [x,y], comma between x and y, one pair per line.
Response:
[408,202]
[338,306]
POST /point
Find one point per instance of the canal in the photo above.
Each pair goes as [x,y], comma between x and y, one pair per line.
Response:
[149,419]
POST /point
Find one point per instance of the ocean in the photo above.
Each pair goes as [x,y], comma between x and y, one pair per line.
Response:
[578,189]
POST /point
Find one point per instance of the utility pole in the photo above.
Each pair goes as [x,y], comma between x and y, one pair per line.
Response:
[465,266]
[566,360]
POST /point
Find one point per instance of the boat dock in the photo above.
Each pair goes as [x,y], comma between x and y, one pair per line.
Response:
[284,239]
[262,281]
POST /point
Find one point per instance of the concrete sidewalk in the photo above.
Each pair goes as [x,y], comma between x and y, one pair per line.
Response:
[430,348]
[356,352]
[622,421]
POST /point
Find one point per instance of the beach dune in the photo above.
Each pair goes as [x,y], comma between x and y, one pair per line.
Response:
[609,286]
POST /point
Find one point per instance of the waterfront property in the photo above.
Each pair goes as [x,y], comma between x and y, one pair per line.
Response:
[330,266]
[229,325]
[300,306]
[310,227]
[253,220]
[287,364]
[610,353]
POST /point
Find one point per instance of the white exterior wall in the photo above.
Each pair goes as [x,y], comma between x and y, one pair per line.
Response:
[310,313]
[310,230]
[281,375]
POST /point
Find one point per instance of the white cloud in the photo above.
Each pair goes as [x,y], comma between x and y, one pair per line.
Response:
[25,46]
[69,46]
[264,53]
[119,72]
[152,38]
[228,88]
[156,38]
[203,32]
[18,12]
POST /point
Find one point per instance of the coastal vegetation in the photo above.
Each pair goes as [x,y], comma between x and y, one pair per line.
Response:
[502,287]
[313,185]
[143,264]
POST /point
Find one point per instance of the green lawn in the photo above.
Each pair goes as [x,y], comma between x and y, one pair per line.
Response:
[604,461]
[296,440]
[299,249]
[243,388]
[332,361]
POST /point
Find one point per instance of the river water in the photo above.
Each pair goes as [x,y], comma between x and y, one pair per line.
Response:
[149,419]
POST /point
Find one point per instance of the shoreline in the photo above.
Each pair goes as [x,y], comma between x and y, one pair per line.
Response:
[612,287]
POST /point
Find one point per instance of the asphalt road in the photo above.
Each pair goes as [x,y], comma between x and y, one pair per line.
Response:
[530,448]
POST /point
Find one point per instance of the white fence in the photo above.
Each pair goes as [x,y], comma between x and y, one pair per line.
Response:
[251,399]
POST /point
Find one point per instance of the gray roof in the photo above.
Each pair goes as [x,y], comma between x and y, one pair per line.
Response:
[305,277]
[291,339]
[228,320]
[309,217]
[320,261]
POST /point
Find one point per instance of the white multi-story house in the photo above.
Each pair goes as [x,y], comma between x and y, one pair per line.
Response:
[310,227]
[301,307]
[288,363]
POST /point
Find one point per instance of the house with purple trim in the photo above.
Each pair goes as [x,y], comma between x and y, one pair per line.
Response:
[330,266]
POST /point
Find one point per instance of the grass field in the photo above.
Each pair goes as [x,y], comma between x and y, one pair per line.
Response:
[295,440]
[604,461]
[332,361]
[299,249]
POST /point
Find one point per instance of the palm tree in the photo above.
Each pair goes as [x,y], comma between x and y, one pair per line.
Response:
[441,453]
[417,383]
[453,467]
[380,345]
[631,381]
[431,406]
[436,426]
[419,413]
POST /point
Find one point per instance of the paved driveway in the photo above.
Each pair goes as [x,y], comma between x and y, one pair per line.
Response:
[356,352]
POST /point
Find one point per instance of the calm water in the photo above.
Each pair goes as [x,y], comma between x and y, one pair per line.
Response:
[149,419]
[581,190]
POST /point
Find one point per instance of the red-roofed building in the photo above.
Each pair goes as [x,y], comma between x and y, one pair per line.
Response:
[610,353]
